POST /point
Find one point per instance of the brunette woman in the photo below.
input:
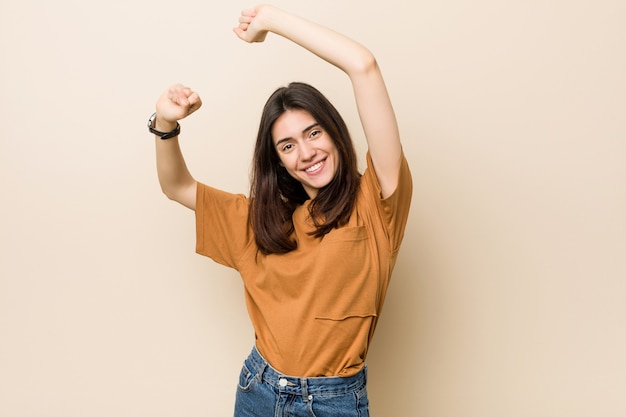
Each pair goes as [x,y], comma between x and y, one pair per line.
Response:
[316,241]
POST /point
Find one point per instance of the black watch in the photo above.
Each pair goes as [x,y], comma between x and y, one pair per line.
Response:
[162,135]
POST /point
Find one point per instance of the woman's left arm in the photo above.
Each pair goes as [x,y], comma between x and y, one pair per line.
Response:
[374,105]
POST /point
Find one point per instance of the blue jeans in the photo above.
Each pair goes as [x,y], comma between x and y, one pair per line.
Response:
[265,392]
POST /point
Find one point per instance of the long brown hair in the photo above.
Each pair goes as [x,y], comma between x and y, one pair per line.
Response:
[275,194]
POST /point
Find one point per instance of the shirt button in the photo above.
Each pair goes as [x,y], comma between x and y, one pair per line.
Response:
[282,382]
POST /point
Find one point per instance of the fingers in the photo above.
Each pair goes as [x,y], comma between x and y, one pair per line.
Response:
[239,32]
[247,13]
[178,94]
[245,20]
[183,96]
[242,27]
[194,101]
[178,102]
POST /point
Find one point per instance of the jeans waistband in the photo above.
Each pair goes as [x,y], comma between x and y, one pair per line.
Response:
[304,386]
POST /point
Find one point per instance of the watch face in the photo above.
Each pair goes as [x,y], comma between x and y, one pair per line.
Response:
[151,120]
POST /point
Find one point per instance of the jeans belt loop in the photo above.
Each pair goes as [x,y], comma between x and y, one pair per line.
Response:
[305,389]
[261,370]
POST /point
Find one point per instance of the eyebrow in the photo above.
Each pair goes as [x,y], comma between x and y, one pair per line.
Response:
[278,142]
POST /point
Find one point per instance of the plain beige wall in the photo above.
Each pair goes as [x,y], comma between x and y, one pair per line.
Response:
[509,294]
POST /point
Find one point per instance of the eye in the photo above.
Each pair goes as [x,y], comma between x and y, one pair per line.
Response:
[315,133]
[287,147]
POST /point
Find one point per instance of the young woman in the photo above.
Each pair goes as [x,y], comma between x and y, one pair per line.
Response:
[316,241]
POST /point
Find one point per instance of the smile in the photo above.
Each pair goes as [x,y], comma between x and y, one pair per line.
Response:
[315,167]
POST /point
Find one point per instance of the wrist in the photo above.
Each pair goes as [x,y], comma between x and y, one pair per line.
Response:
[266,16]
[165,129]
[164,125]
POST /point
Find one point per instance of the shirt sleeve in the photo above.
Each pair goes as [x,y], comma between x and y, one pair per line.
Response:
[222,228]
[393,210]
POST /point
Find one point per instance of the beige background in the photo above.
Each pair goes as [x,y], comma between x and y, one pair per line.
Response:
[508,297]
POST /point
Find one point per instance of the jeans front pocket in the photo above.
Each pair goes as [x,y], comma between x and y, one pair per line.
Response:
[362,402]
[347,404]
[246,379]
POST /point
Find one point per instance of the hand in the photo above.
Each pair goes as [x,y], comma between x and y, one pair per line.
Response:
[176,103]
[250,27]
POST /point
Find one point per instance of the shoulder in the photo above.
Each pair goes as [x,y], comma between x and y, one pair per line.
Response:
[370,184]
[207,195]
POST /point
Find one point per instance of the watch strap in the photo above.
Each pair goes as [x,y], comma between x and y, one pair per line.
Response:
[162,135]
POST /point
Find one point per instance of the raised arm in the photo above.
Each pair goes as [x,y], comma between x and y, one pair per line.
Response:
[176,103]
[373,103]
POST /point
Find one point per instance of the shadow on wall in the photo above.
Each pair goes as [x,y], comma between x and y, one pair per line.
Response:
[395,351]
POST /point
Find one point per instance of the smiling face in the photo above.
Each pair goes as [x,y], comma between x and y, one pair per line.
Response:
[306,151]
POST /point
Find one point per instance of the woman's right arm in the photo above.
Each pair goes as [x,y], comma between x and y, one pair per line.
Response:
[176,103]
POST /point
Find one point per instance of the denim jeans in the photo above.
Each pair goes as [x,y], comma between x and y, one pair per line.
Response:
[265,392]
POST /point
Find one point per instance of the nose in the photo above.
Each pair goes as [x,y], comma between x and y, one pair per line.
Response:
[307,151]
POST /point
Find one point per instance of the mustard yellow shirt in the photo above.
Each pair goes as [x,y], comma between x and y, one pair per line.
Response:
[313,310]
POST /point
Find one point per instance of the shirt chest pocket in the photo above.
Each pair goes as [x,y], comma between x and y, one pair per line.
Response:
[347,282]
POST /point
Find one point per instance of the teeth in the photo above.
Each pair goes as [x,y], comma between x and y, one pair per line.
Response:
[314,167]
